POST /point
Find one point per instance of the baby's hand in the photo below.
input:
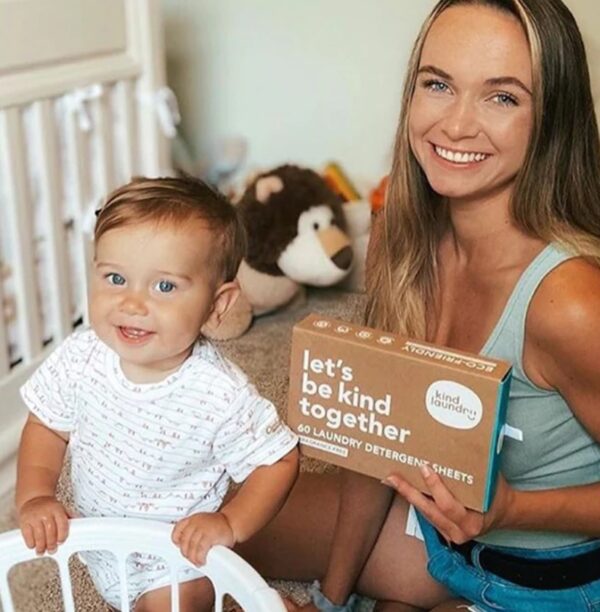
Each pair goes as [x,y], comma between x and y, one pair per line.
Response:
[44,523]
[197,534]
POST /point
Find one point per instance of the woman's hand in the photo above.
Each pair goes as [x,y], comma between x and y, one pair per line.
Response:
[455,522]
[195,535]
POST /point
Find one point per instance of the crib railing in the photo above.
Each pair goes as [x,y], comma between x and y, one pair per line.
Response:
[229,573]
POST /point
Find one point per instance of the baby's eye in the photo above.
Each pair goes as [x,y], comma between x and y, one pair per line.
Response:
[165,286]
[115,279]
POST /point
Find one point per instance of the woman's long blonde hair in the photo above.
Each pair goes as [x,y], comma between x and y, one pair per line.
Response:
[557,191]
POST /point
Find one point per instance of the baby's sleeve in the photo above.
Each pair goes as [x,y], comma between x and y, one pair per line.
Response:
[254,435]
[49,393]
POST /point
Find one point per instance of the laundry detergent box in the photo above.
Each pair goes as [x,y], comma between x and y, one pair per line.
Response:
[378,403]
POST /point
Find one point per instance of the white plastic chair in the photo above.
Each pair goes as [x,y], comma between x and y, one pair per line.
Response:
[228,572]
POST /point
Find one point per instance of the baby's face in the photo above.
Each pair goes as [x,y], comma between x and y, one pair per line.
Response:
[152,289]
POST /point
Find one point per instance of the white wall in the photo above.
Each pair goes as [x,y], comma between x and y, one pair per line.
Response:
[302,80]
[587,14]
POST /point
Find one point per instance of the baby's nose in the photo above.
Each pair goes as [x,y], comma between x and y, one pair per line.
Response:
[133,304]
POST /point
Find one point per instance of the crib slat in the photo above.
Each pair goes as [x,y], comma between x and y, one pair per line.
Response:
[4,356]
[122,561]
[218,599]
[103,142]
[53,220]
[65,583]
[129,133]
[79,158]
[5,596]
[4,361]
[154,151]
[20,226]
[174,591]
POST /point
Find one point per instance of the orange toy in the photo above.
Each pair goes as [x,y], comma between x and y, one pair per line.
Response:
[377,195]
[337,180]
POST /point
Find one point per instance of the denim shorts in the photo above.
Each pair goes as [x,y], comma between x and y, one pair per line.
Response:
[490,592]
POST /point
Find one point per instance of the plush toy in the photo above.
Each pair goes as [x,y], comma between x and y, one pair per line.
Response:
[296,236]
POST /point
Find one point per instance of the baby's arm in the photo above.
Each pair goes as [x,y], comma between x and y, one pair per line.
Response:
[254,505]
[42,518]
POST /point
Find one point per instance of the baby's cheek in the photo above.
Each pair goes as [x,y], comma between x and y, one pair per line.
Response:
[97,312]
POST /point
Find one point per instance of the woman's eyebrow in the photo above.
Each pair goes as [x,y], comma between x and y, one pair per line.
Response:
[437,71]
[495,81]
[508,80]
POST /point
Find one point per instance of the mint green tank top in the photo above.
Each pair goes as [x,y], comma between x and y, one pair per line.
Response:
[556,450]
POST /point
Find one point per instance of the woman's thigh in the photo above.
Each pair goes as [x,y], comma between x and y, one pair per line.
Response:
[397,567]
[295,546]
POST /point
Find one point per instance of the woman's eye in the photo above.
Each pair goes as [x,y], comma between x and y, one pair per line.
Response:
[165,286]
[115,279]
[505,99]
[436,86]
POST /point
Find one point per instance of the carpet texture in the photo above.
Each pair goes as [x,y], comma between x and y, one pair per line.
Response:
[263,353]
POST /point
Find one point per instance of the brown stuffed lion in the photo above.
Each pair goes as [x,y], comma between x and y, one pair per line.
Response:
[296,236]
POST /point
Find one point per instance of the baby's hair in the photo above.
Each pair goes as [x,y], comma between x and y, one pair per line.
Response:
[177,201]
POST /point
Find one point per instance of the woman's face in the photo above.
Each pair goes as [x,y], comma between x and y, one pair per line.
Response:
[471,112]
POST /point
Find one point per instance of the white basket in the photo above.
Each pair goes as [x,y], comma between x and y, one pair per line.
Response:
[229,573]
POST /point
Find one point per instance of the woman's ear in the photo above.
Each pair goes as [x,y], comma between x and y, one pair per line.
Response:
[225,297]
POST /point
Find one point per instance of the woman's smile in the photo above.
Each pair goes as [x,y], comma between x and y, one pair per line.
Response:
[460,158]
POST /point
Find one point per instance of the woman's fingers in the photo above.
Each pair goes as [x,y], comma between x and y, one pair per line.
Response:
[455,522]
[444,499]
[421,502]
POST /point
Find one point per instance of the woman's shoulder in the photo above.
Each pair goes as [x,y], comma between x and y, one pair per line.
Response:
[563,322]
[568,297]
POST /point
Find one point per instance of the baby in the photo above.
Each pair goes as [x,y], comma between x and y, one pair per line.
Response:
[157,422]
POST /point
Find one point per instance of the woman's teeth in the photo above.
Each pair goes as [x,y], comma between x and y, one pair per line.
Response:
[460,158]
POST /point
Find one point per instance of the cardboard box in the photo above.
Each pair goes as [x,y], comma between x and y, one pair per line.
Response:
[378,403]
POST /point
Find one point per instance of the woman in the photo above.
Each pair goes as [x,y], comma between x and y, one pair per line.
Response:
[490,243]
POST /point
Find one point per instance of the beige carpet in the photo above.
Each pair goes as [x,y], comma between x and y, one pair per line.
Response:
[263,353]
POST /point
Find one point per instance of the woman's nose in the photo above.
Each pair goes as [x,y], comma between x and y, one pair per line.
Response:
[133,304]
[461,120]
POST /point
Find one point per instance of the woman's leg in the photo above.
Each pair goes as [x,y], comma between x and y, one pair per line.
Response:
[363,506]
[394,606]
[296,545]
[452,606]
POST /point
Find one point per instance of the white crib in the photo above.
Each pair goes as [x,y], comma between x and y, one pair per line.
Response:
[229,573]
[83,107]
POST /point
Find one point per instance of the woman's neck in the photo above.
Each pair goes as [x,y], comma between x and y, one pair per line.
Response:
[483,231]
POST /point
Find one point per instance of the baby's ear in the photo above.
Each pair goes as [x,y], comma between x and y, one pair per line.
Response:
[224,300]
